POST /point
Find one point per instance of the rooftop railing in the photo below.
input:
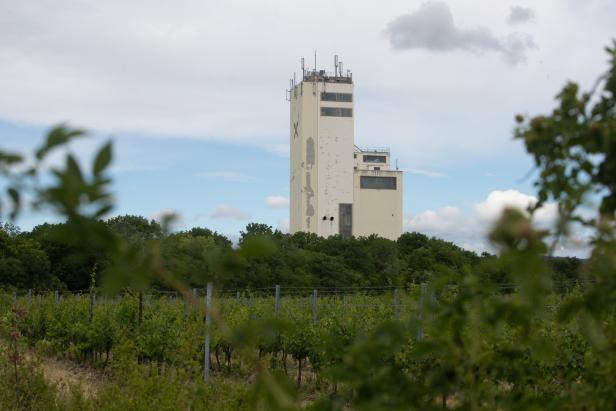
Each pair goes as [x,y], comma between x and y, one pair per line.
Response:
[364,149]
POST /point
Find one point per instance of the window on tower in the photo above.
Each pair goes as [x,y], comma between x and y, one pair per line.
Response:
[345,220]
[375,159]
[341,97]
[336,112]
[377,183]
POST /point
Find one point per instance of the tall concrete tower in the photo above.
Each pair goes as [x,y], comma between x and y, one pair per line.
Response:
[326,174]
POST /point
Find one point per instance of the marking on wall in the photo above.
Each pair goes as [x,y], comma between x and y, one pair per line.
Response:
[295,126]
[310,151]
[310,158]
[309,194]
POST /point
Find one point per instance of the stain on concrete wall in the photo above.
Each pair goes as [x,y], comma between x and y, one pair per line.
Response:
[310,154]
[309,195]
[308,190]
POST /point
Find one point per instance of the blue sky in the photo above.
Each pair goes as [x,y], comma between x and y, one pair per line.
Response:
[192,94]
[191,177]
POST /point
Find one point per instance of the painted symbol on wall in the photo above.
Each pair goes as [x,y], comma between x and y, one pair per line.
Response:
[295,126]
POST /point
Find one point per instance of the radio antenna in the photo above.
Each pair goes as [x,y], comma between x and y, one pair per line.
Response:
[315,60]
[335,65]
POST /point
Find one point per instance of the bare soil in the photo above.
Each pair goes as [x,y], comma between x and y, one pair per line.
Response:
[67,375]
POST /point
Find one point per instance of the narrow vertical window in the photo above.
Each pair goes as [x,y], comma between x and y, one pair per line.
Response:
[345,220]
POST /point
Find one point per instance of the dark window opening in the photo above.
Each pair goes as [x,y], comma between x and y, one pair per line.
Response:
[342,97]
[345,220]
[377,183]
[377,168]
[336,112]
[374,159]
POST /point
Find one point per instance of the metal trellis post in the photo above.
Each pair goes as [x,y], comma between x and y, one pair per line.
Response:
[314,305]
[206,355]
[277,301]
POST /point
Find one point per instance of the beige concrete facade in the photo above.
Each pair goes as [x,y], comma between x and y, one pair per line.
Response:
[326,194]
[377,211]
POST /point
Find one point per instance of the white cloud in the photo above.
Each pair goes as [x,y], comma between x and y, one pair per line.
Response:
[283,225]
[492,207]
[218,70]
[432,28]
[232,176]
[277,202]
[468,227]
[519,15]
[423,172]
[230,212]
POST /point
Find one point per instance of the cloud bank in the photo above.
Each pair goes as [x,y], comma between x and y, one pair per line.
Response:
[232,176]
[277,202]
[432,28]
[424,172]
[520,15]
[468,227]
[283,225]
[230,212]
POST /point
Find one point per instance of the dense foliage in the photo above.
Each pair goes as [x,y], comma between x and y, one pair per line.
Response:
[43,260]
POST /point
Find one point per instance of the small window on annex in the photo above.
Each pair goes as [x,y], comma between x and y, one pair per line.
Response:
[375,159]
[345,220]
[377,183]
[342,97]
[336,112]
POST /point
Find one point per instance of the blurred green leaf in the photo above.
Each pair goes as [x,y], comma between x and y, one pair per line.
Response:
[103,158]
[16,201]
[58,136]
[8,159]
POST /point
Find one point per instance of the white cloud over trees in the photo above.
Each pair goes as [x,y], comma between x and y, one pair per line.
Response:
[230,212]
[468,226]
[277,202]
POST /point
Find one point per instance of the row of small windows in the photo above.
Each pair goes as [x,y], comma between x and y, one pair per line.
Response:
[342,97]
[336,112]
[375,159]
[378,183]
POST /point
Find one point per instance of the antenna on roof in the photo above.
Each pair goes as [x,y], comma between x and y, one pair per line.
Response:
[315,60]
[303,69]
[396,164]
[335,65]
[340,64]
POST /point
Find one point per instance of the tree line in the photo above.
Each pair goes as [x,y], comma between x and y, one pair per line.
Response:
[44,259]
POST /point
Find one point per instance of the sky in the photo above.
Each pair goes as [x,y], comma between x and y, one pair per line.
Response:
[193,95]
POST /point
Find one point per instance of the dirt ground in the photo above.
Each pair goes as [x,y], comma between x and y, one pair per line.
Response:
[66,374]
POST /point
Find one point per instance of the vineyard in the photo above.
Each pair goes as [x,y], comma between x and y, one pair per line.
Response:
[169,331]
[434,346]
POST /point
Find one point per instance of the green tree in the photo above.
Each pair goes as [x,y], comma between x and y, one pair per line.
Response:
[134,228]
[255,230]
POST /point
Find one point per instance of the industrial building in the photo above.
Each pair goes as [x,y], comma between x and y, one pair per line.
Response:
[335,186]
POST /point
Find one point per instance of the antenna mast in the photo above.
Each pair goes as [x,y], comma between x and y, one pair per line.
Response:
[335,65]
